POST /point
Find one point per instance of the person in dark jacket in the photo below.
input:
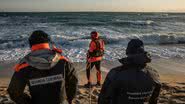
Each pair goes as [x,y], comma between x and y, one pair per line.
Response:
[50,77]
[134,82]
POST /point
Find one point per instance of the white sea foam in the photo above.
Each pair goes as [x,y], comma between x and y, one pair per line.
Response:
[75,48]
[162,34]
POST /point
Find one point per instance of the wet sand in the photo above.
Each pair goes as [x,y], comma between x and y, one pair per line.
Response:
[172,76]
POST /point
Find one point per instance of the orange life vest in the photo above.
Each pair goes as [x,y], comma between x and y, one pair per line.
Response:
[93,54]
[96,48]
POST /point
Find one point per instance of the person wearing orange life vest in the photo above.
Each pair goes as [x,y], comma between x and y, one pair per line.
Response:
[51,78]
[94,57]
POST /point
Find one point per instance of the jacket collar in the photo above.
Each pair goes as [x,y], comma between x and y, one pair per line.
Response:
[136,59]
[40,46]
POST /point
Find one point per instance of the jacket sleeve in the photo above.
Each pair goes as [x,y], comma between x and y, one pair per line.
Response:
[156,92]
[108,89]
[71,82]
[16,89]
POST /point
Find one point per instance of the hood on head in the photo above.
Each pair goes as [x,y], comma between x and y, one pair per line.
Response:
[135,46]
[42,59]
[136,59]
[94,35]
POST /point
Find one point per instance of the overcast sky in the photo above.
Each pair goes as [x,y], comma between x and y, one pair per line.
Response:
[93,5]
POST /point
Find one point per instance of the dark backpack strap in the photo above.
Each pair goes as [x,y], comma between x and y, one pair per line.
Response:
[98,45]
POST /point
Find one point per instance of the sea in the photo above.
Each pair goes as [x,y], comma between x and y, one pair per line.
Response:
[162,33]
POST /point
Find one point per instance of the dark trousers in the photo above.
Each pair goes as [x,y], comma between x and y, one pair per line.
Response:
[90,66]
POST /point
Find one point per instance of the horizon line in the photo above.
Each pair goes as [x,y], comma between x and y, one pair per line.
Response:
[92,11]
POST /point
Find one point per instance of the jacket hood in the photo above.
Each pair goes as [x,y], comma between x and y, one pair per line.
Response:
[42,59]
[136,59]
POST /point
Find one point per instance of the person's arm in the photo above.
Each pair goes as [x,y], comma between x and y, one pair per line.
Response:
[107,91]
[71,81]
[157,89]
[16,89]
[155,94]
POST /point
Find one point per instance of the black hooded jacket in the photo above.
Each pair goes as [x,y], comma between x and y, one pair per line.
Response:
[50,79]
[132,83]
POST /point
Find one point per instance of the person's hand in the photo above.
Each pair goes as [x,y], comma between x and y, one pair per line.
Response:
[88,56]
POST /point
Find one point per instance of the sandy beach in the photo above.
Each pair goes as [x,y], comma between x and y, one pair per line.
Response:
[171,72]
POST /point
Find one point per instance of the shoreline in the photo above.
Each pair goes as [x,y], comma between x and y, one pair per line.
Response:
[165,67]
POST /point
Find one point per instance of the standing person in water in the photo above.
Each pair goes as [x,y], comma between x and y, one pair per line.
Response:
[94,57]
[50,77]
[133,82]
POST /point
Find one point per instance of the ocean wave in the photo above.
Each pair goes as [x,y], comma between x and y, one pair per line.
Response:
[83,41]
[111,23]
[13,42]
[76,54]
[133,23]
[71,32]
[153,39]
[85,23]
[3,21]
[75,48]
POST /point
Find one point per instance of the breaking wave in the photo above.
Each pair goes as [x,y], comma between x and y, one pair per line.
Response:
[71,32]
[69,41]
